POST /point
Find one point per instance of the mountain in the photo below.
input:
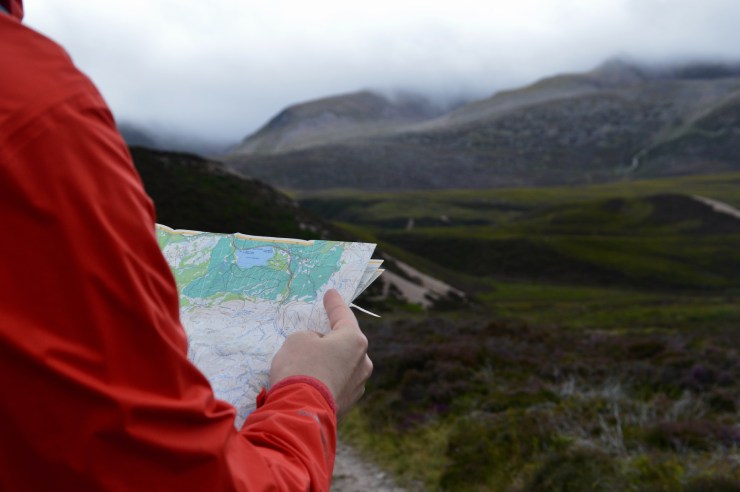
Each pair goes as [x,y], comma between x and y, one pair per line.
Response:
[337,119]
[619,121]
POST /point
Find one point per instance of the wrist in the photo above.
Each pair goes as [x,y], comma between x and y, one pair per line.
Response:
[317,384]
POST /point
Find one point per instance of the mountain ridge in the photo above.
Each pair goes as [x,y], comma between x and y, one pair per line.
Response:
[615,122]
[337,118]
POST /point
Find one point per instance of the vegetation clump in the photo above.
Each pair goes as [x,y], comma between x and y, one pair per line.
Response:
[517,407]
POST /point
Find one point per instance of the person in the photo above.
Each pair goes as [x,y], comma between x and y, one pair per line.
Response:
[97,391]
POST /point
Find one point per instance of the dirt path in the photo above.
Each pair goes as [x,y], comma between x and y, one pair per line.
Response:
[353,474]
[719,206]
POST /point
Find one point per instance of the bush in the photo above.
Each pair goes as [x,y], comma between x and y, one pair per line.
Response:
[701,435]
[490,449]
[713,484]
[577,470]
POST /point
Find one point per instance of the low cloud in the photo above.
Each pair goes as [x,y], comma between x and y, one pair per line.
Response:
[220,69]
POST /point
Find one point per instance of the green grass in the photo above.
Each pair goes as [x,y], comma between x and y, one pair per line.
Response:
[559,235]
[414,457]
[665,261]
[367,207]
[610,309]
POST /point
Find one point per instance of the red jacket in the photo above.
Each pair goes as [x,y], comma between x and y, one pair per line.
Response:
[96,392]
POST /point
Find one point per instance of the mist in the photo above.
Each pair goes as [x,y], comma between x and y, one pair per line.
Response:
[220,72]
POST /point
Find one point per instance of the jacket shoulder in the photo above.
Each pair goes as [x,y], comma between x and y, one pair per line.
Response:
[37,73]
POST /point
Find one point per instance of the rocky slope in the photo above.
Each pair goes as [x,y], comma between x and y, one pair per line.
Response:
[616,122]
[336,119]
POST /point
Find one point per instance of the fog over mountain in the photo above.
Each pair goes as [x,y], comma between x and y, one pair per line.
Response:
[141,135]
[616,122]
[221,69]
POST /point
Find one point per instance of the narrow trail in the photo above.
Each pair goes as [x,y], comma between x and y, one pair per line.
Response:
[354,474]
[718,206]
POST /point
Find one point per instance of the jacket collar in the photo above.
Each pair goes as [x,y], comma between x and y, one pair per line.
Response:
[14,7]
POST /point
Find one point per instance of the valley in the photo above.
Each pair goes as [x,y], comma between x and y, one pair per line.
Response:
[562,299]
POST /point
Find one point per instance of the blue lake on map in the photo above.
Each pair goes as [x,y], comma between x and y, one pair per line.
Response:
[254,257]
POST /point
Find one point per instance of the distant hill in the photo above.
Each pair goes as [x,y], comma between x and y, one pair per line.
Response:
[337,119]
[668,233]
[668,241]
[619,121]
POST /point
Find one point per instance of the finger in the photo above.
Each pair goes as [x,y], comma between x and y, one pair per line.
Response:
[339,313]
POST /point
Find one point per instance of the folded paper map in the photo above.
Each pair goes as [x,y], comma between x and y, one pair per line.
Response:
[241,296]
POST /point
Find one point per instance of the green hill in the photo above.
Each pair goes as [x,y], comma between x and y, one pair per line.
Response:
[645,234]
[191,192]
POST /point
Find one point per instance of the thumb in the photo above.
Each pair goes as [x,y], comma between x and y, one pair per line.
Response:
[340,315]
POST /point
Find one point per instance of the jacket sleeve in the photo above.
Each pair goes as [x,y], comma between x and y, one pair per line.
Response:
[97,391]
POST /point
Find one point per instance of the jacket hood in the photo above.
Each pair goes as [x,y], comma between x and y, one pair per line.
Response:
[15,7]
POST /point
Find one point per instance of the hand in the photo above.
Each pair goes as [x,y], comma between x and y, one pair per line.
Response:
[338,359]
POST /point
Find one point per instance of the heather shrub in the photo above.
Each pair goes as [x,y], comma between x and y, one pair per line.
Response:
[713,484]
[489,449]
[577,470]
[520,408]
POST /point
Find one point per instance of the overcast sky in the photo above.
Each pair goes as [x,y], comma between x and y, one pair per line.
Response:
[222,68]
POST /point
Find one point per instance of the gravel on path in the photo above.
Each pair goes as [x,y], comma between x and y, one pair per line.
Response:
[352,473]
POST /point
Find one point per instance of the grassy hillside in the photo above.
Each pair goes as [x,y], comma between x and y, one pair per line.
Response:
[351,205]
[646,234]
[194,193]
[666,241]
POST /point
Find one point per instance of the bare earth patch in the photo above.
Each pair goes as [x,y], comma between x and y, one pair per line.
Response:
[353,474]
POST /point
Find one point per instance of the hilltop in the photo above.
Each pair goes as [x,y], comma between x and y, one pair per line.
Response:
[336,119]
[191,192]
[617,122]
